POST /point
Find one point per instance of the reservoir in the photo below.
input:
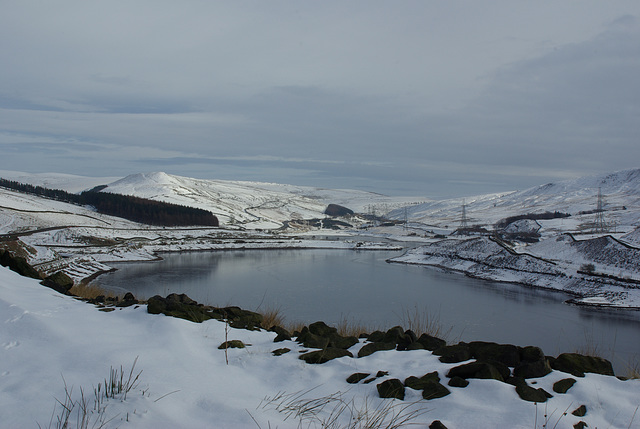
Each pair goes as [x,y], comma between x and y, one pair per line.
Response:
[362,288]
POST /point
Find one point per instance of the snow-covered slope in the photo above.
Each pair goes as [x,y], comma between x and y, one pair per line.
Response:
[620,191]
[56,351]
[251,204]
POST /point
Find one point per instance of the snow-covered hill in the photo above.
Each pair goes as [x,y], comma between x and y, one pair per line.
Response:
[620,191]
[248,204]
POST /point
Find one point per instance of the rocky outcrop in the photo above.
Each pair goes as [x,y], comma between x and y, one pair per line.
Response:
[186,308]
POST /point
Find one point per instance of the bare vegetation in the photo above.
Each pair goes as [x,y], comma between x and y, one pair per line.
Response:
[332,411]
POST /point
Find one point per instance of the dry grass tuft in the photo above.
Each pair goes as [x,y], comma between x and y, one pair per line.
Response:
[348,328]
[423,322]
[92,291]
[272,317]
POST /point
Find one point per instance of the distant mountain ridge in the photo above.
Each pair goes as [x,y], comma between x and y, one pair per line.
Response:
[619,190]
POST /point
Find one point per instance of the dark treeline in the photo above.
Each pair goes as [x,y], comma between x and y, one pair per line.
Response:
[533,216]
[132,208]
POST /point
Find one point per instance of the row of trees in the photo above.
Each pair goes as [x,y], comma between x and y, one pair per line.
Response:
[128,207]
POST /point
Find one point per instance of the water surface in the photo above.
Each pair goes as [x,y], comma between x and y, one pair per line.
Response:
[332,285]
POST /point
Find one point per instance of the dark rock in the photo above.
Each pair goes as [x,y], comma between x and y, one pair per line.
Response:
[416,346]
[280,352]
[437,424]
[128,300]
[311,340]
[321,329]
[394,335]
[60,282]
[341,342]
[483,370]
[434,390]
[357,377]
[371,348]
[19,265]
[563,385]
[156,305]
[382,374]
[532,369]
[577,364]
[458,382]
[232,344]
[431,343]
[405,340]
[420,383]
[376,337]
[325,355]
[506,354]
[391,389]
[241,319]
[452,354]
[580,425]
[531,354]
[282,334]
[581,411]
[528,393]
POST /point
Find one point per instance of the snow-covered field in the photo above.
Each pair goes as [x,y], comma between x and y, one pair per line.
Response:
[185,381]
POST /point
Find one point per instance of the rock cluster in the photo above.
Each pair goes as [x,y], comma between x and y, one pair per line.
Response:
[186,308]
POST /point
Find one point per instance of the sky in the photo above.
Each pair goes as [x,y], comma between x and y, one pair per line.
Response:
[414,98]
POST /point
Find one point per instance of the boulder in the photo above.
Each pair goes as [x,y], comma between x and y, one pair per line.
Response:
[581,411]
[434,390]
[420,383]
[458,382]
[535,369]
[60,282]
[321,329]
[281,334]
[577,364]
[357,377]
[391,389]
[563,385]
[453,354]
[437,424]
[431,343]
[506,354]
[325,355]
[371,348]
[483,370]
[376,337]
[232,344]
[280,352]
[528,393]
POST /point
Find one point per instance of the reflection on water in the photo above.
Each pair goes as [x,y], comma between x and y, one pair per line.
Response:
[333,285]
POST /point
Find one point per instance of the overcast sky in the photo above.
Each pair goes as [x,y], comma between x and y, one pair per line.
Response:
[424,98]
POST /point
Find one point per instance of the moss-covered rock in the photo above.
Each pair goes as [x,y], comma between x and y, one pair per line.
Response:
[420,383]
[577,364]
[391,389]
[280,352]
[535,369]
[325,355]
[60,282]
[371,348]
[232,344]
[357,377]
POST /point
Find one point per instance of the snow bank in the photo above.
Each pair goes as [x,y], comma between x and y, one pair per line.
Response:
[48,340]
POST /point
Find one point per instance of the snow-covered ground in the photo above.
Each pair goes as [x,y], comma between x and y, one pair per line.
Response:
[185,381]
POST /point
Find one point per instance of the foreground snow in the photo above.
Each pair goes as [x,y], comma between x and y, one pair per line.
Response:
[48,340]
